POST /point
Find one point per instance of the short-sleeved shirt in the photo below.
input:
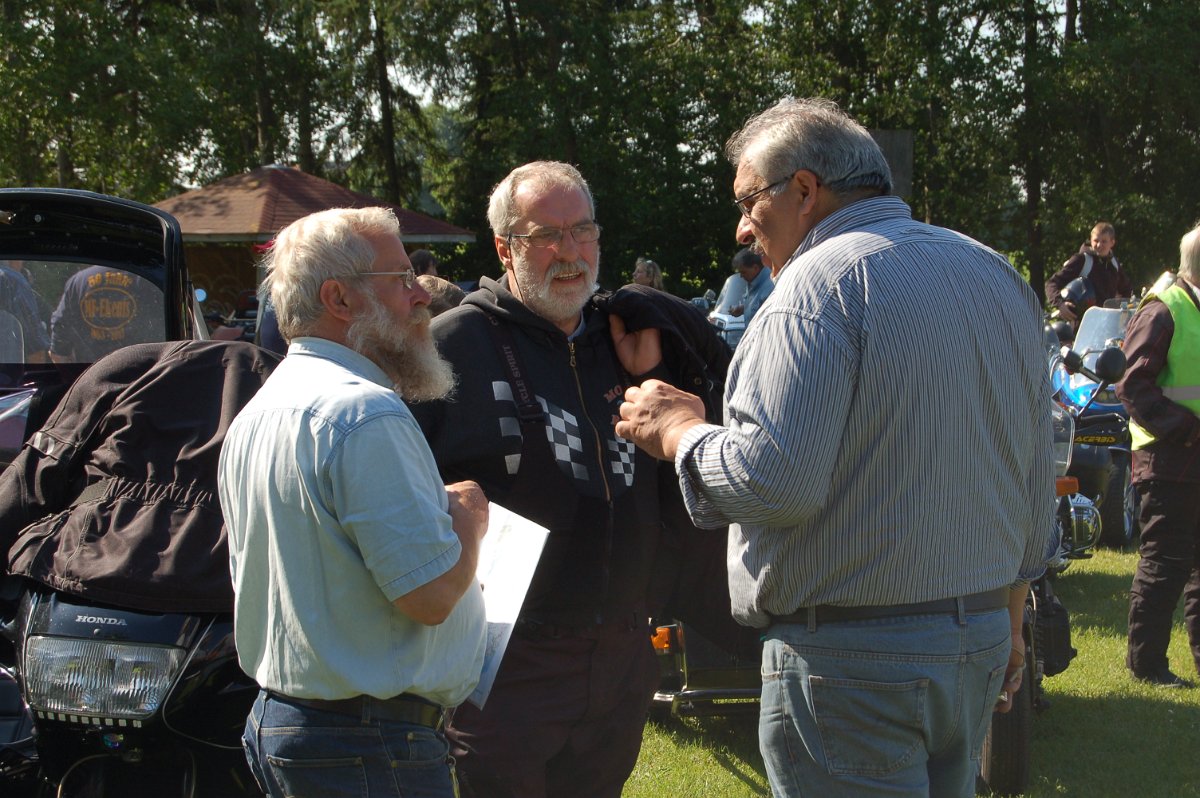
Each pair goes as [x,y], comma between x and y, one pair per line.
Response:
[103,309]
[335,509]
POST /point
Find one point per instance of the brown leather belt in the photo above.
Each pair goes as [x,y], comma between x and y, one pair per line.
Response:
[403,708]
[973,604]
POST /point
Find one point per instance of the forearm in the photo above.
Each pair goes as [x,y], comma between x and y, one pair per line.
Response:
[1016,611]
[432,602]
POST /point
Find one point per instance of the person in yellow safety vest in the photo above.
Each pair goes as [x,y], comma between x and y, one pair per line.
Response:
[1161,391]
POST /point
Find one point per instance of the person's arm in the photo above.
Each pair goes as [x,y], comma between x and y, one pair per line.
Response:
[418,538]
[1015,670]
[1147,341]
[780,405]
[432,602]
[1058,281]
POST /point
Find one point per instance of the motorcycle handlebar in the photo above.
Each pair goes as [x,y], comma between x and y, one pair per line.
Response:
[1101,418]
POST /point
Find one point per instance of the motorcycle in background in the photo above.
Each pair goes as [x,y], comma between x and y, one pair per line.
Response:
[97,699]
[1006,757]
[1101,459]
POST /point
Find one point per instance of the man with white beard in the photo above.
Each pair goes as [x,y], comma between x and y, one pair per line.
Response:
[542,361]
[356,605]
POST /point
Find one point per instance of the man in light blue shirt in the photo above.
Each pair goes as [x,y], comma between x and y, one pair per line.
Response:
[749,265]
[882,539]
[356,605]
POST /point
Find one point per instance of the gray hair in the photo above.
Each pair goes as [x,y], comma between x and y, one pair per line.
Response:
[327,245]
[812,134]
[502,211]
[1189,255]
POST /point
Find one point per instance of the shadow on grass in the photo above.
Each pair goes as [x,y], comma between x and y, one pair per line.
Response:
[1098,600]
[1118,745]
[731,741]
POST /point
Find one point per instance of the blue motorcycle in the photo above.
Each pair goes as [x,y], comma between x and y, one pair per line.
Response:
[1101,456]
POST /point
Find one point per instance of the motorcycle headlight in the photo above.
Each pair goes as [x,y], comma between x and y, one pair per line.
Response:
[99,677]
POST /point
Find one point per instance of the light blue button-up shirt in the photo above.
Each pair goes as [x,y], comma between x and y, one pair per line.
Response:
[335,509]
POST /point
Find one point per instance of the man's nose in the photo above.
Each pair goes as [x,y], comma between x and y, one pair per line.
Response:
[567,248]
[745,231]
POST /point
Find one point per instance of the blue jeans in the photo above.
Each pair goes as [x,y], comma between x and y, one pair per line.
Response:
[882,707]
[300,752]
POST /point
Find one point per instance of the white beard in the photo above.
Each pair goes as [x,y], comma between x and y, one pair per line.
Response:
[404,350]
[544,299]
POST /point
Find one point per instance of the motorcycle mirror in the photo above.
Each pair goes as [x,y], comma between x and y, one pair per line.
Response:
[1072,360]
[1110,364]
[1064,331]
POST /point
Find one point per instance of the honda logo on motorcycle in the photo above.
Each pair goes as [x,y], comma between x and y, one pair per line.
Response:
[100,619]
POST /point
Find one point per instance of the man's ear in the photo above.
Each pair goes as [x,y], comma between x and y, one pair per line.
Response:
[809,183]
[504,250]
[336,300]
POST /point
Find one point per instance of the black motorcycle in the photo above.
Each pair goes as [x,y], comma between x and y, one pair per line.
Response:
[97,699]
[126,702]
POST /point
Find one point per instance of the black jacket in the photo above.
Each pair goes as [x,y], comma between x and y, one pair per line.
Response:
[604,501]
[115,498]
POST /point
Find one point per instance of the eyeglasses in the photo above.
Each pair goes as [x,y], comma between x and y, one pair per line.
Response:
[544,237]
[743,203]
[408,276]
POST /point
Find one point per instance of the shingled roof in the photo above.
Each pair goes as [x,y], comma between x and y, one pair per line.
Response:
[256,205]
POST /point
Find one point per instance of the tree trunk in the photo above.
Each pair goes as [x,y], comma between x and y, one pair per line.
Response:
[387,121]
[1031,152]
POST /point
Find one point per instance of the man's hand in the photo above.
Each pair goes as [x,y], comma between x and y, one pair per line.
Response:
[654,416]
[1013,673]
[468,511]
[1067,311]
[640,351]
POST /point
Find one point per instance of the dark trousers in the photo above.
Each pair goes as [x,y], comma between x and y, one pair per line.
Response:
[564,718]
[1169,567]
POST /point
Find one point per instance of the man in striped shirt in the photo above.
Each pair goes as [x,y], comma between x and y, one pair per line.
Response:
[885,466]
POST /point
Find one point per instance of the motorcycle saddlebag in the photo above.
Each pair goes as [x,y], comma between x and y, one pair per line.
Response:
[1054,637]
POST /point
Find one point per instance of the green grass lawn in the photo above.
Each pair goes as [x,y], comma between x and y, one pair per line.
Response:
[1103,736]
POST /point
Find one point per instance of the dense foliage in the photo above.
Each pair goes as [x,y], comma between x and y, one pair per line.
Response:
[1031,119]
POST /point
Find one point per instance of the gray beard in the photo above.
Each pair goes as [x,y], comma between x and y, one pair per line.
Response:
[405,351]
[539,297]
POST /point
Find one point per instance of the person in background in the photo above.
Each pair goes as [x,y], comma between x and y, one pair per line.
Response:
[888,629]
[102,309]
[356,605]
[647,272]
[749,265]
[23,307]
[1097,266]
[1161,392]
[443,294]
[424,262]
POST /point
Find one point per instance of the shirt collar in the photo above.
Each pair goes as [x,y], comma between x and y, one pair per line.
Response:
[852,217]
[344,356]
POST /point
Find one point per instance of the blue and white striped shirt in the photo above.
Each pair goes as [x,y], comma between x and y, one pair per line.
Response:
[887,433]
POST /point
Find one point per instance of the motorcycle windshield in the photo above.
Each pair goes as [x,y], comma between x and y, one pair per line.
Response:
[81,274]
[1099,329]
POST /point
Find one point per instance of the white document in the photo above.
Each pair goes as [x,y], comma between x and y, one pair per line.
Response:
[507,558]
